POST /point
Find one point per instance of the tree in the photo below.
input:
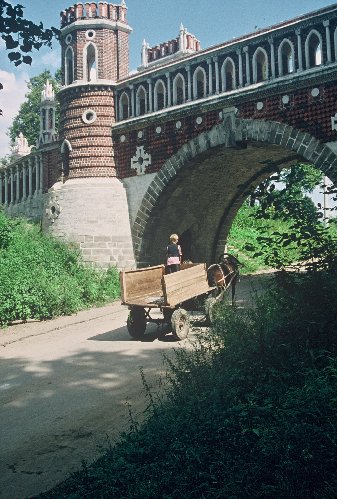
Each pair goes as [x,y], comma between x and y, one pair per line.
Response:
[315,242]
[27,120]
[20,35]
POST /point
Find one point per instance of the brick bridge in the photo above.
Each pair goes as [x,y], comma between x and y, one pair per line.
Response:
[178,145]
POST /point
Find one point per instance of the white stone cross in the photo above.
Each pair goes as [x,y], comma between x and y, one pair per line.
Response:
[140,160]
[334,122]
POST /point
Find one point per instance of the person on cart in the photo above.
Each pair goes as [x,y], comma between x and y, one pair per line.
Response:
[174,254]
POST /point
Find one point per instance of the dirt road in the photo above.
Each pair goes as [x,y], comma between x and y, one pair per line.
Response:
[63,391]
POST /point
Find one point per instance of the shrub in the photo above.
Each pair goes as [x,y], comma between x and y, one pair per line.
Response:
[42,277]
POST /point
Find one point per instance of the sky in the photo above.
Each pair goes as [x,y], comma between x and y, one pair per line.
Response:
[212,22]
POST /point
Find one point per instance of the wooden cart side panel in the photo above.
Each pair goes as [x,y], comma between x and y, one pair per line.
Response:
[185,284]
[123,286]
[136,284]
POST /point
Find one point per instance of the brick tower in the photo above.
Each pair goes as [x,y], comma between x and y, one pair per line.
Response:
[90,202]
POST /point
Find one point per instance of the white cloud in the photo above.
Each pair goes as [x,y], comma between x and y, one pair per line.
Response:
[11,97]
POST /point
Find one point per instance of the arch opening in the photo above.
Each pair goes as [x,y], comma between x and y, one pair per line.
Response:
[202,216]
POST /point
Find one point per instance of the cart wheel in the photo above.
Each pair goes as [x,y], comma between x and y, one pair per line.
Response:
[209,309]
[136,322]
[180,324]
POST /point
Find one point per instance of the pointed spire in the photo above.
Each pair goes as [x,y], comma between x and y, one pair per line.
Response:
[47,92]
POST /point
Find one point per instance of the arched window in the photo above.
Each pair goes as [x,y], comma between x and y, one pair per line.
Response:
[179,95]
[159,95]
[313,49]
[199,83]
[286,58]
[65,153]
[260,65]
[69,66]
[91,62]
[141,106]
[124,106]
[228,75]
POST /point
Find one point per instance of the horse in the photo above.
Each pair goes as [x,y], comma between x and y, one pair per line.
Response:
[224,274]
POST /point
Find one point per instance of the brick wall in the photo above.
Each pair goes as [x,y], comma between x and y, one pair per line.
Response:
[308,110]
[92,152]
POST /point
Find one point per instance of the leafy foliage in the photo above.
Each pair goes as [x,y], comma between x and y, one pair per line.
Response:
[27,120]
[251,410]
[20,35]
[42,278]
[285,227]
[245,242]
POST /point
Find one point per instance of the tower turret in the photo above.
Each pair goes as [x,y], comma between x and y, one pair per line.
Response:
[91,202]
[47,115]
[95,54]
[94,42]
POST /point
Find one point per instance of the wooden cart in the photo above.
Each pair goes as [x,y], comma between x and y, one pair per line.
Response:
[149,288]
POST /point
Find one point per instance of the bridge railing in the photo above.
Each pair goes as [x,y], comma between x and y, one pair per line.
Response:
[21,180]
[285,50]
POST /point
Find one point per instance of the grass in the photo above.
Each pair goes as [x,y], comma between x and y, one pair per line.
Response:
[251,411]
[42,277]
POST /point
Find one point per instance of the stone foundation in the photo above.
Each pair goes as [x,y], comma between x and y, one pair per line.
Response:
[92,212]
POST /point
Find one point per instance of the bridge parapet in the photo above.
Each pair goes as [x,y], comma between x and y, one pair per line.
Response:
[287,50]
[25,180]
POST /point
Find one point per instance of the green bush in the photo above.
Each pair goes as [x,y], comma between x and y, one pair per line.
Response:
[244,240]
[42,277]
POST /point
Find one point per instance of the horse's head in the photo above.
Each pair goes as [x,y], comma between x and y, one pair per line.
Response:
[215,275]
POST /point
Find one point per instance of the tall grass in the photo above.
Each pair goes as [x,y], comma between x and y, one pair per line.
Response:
[41,277]
[250,412]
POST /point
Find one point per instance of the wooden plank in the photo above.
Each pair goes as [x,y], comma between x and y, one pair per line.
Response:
[137,284]
[195,272]
[185,284]
[184,266]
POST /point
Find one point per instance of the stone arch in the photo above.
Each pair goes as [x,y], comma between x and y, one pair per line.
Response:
[286,57]
[159,95]
[232,133]
[228,79]
[179,92]
[141,101]
[199,83]
[66,149]
[260,65]
[69,66]
[124,106]
[313,49]
[90,62]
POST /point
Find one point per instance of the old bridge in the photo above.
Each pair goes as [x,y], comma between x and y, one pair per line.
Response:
[177,146]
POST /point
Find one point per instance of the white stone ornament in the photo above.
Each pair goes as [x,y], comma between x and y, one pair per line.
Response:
[158,129]
[140,134]
[334,122]
[178,125]
[285,99]
[53,211]
[140,161]
[259,106]
[315,92]
[198,120]
[21,147]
